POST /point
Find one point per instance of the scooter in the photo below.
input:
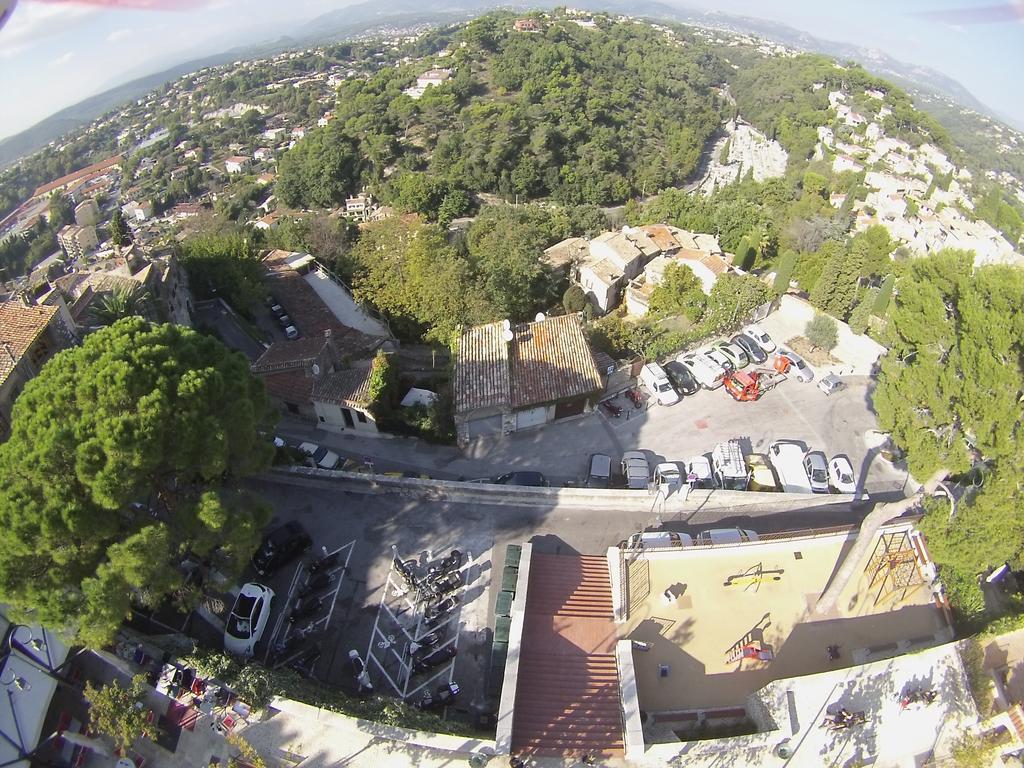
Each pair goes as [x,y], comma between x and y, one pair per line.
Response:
[435,659]
[636,398]
[407,570]
[284,648]
[844,718]
[359,672]
[437,612]
[317,582]
[611,408]
[443,697]
[306,607]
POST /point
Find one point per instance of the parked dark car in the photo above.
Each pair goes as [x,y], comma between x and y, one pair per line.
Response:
[280,547]
[681,378]
[748,345]
[599,472]
[532,479]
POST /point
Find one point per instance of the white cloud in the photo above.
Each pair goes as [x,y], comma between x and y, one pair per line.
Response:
[63,59]
[118,35]
[33,23]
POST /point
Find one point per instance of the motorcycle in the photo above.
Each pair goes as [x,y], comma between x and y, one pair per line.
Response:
[434,659]
[443,585]
[844,718]
[429,640]
[359,672]
[449,564]
[917,696]
[611,408]
[407,570]
[636,398]
[443,697]
[306,607]
[317,583]
[438,611]
[324,563]
[304,663]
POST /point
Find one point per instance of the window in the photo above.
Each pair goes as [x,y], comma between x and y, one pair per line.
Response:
[322,418]
[361,416]
[292,408]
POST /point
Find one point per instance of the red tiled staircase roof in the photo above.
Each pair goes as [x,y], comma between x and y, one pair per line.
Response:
[567,692]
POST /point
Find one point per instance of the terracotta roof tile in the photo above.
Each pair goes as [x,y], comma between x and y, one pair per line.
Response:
[348,387]
[21,325]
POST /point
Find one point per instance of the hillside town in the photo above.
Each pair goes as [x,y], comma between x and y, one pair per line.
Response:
[335,431]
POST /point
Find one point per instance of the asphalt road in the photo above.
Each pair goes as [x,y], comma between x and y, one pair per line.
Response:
[365,526]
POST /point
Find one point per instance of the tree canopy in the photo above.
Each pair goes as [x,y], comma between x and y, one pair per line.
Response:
[951,394]
[121,466]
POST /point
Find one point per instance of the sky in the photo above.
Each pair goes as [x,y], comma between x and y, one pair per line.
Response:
[54,53]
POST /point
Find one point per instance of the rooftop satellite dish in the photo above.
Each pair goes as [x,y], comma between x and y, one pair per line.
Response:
[507,334]
[316,369]
[539,318]
[506,324]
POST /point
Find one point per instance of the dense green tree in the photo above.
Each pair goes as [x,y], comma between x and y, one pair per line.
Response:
[120,713]
[320,171]
[732,299]
[861,315]
[950,393]
[877,245]
[822,332]
[881,305]
[506,246]
[784,272]
[383,385]
[224,264]
[120,235]
[574,299]
[121,467]
[423,285]
[61,211]
[679,293]
[836,289]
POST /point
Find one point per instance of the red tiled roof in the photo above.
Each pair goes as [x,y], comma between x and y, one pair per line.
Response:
[348,387]
[567,691]
[289,355]
[545,361]
[21,325]
[90,170]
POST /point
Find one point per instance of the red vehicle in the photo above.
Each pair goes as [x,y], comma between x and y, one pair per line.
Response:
[749,386]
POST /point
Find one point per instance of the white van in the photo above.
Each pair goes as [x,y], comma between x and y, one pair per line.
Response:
[657,540]
[654,378]
[726,536]
[708,374]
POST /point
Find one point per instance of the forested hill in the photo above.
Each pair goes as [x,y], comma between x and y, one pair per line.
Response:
[583,115]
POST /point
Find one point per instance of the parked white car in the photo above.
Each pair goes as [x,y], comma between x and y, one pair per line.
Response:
[727,536]
[762,339]
[698,472]
[657,540]
[817,471]
[719,358]
[840,475]
[654,378]
[797,365]
[734,353]
[322,457]
[248,619]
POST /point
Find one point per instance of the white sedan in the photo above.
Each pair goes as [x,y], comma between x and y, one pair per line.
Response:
[248,619]
[759,337]
[840,475]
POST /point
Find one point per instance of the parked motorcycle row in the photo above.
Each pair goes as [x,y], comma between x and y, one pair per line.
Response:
[312,600]
[437,598]
[615,411]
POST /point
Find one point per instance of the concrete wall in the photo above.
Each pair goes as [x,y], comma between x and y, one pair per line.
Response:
[331,418]
[632,723]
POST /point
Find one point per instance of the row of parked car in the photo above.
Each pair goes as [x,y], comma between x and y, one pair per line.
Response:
[281,315]
[789,466]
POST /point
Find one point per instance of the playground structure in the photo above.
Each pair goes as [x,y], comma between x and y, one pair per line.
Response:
[893,567]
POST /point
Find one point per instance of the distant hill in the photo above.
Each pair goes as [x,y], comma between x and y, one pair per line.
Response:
[922,82]
[87,110]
